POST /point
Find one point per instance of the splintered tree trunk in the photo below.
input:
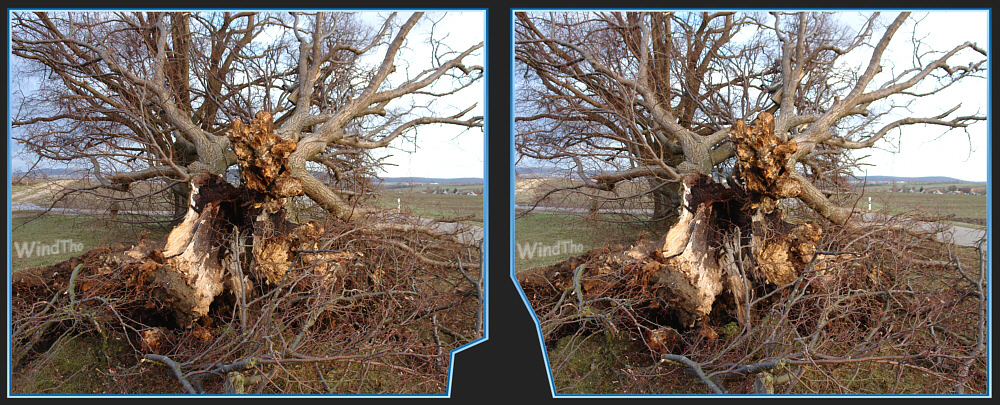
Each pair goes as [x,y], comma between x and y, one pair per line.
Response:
[780,250]
[192,274]
[205,255]
[727,240]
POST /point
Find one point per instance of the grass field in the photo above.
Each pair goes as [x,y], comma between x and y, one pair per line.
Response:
[53,238]
[925,186]
[549,229]
[967,209]
[565,236]
[50,234]
[528,190]
[442,186]
[434,205]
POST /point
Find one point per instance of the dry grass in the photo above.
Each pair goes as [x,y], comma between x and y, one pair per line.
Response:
[387,327]
[894,318]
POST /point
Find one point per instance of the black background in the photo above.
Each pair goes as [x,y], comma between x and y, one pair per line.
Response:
[509,365]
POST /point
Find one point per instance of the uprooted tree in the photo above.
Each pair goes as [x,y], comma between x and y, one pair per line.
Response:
[647,98]
[149,96]
[653,107]
[299,104]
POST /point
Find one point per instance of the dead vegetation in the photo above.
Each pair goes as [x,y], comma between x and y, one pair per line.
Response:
[872,314]
[741,301]
[240,299]
[365,318]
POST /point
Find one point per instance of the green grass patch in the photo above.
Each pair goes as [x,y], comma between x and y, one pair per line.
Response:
[546,239]
[967,225]
[580,364]
[89,364]
[51,239]
[434,205]
[959,205]
[76,364]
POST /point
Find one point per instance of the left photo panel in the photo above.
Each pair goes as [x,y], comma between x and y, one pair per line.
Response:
[244,202]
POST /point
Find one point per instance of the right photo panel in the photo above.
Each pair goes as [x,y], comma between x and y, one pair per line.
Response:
[754,202]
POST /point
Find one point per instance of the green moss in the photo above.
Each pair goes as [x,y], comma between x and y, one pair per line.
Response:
[71,366]
[730,330]
[585,364]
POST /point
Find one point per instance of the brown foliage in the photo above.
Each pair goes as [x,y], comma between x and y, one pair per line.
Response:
[865,306]
[388,322]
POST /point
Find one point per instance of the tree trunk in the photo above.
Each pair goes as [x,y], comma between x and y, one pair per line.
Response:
[665,203]
[192,274]
[699,267]
[203,254]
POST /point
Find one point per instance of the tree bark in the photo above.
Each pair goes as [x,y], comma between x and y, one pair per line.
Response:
[700,267]
[201,260]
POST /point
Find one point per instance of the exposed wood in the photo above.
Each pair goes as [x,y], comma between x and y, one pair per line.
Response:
[193,274]
[201,262]
[201,259]
[762,159]
[730,240]
[692,276]
[263,157]
[781,250]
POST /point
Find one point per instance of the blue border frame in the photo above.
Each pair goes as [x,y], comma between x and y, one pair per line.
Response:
[484,273]
[989,205]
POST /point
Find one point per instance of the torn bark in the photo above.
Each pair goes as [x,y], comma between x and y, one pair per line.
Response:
[193,273]
[780,249]
[263,157]
[729,240]
[201,263]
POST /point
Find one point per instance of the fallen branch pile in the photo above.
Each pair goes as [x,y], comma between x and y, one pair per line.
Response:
[734,294]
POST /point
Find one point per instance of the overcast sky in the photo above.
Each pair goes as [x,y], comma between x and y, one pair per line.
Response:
[927,150]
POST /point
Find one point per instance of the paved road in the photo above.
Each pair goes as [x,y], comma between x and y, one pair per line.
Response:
[462,233]
[85,211]
[945,233]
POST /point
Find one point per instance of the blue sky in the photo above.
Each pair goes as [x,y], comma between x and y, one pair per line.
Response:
[439,150]
[930,150]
